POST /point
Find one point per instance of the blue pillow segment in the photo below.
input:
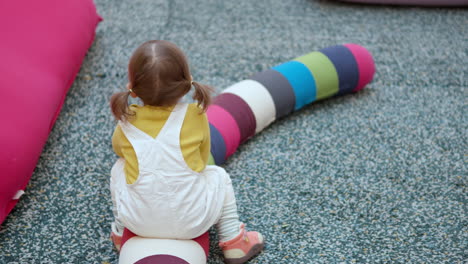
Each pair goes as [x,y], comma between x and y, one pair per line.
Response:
[301,80]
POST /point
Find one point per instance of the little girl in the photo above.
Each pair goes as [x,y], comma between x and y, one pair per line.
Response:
[161,186]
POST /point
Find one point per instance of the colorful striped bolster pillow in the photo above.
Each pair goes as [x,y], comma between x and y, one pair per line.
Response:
[247,107]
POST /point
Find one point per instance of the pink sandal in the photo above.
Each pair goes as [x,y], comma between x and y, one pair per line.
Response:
[243,247]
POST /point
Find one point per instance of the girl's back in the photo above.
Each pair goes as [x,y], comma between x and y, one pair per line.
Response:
[194,137]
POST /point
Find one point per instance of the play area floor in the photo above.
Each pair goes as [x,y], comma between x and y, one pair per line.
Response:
[379,176]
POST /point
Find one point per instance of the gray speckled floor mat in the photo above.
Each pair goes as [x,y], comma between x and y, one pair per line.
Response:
[375,177]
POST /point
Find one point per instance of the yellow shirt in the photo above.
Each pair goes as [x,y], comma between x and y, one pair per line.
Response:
[194,136]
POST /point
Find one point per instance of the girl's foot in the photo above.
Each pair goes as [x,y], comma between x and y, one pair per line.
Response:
[243,247]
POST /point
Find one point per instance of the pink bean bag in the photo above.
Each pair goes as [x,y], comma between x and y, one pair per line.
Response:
[42,46]
[414,2]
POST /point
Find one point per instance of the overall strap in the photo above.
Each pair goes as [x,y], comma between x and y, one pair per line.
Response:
[133,133]
[137,138]
[170,133]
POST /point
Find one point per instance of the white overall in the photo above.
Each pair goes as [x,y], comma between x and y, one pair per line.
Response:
[168,200]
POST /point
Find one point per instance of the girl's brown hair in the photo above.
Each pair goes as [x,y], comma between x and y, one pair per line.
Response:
[159,75]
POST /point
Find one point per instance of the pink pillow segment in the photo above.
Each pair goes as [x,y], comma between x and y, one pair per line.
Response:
[227,126]
[365,64]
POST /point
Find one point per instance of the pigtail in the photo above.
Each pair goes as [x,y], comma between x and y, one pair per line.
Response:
[202,95]
[119,106]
